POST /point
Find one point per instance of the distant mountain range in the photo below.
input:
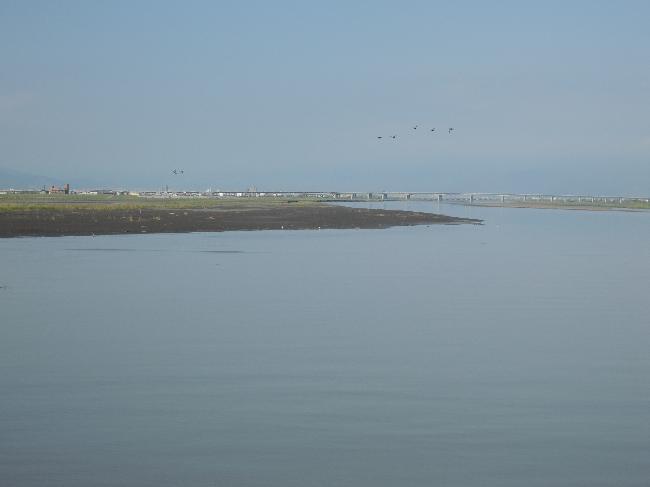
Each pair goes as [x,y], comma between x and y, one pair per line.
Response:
[11,178]
[15,179]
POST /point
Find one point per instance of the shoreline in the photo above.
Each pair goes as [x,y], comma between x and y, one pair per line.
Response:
[556,206]
[56,221]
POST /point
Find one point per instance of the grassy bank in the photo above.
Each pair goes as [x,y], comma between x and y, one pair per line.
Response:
[27,202]
[629,205]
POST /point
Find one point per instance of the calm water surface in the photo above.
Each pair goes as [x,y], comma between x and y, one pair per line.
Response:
[514,353]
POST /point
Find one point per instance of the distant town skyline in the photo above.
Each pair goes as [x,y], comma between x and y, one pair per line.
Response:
[548,97]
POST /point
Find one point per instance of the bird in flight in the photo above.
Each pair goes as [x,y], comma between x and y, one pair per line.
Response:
[433,129]
[415,128]
[451,129]
[176,172]
[380,137]
[393,136]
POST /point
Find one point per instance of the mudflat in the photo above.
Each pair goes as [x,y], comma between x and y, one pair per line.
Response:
[107,219]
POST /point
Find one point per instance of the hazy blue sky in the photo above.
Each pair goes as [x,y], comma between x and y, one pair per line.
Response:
[545,96]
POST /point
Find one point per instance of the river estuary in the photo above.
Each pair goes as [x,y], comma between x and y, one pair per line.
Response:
[515,353]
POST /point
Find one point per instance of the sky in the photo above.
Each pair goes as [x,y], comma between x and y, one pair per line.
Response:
[549,96]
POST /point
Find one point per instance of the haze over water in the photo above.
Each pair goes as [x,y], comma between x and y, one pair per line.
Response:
[545,97]
[513,353]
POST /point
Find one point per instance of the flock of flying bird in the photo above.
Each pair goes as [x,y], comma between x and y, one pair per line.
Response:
[180,172]
[449,130]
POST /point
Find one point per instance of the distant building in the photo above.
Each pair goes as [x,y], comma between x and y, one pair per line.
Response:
[54,190]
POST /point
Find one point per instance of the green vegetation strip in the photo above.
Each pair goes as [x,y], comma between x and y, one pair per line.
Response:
[586,205]
[13,202]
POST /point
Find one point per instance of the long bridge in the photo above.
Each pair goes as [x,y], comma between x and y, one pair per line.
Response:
[486,198]
[454,197]
[467,198]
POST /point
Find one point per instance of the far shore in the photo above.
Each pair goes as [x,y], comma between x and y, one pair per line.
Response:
[112,217]
[557,206]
